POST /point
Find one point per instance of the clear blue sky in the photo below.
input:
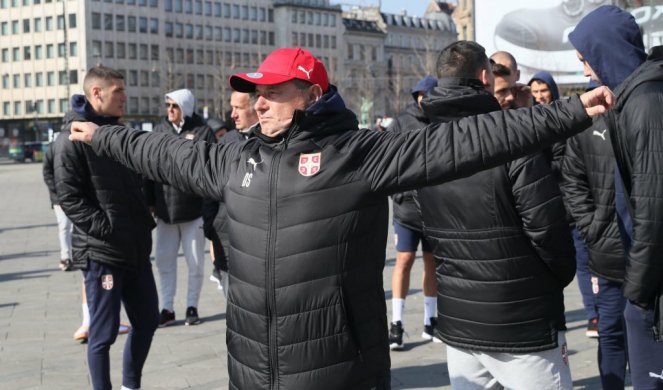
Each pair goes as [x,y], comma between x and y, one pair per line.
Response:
[413,7]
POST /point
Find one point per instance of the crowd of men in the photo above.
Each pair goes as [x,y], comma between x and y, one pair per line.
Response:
[295,204]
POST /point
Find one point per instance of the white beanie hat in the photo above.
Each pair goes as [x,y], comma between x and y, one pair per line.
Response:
[184,98]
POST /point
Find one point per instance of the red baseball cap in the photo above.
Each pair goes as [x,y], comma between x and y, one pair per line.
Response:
[280,66]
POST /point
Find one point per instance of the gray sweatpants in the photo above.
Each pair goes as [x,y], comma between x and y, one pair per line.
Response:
[545,370]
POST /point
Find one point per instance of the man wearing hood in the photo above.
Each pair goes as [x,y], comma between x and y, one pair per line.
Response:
[179,215]
[616,57]
[408,229]
[112,236]
[503,259]
[543,87]
[308,213]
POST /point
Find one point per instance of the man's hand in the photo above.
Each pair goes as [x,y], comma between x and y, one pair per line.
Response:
[82,131]
[522,96]
[598,101]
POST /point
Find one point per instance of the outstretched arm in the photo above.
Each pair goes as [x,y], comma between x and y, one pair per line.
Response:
[196,167]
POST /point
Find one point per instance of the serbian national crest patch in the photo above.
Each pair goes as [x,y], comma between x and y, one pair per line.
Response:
[107,282]
[309,164]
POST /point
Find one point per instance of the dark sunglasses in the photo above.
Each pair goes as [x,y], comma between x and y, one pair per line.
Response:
[173,105]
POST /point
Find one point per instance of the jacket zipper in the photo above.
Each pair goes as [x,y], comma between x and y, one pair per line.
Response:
[271,260]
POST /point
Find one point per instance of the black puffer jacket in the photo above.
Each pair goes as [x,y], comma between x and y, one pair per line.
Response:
[306,304]
[103,199]
[500,238]
[636,131]
[588,186]
[404,208]
[48,173]
[170,204]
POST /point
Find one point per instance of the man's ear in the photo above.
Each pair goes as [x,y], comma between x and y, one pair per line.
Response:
[95,92]
[315,93]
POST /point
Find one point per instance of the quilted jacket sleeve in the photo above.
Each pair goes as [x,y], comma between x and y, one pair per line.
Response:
[576,189]
[200,168]
[48,173]
[450,150]
[539,204]
[641,125]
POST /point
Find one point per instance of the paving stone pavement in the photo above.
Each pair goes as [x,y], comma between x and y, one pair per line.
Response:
[40,309]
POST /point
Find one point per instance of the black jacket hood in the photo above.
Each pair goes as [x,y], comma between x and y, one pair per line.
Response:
[81,110]
[456,98]
[650,70]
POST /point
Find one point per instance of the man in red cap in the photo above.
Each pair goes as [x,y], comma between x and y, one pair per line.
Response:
[308,213]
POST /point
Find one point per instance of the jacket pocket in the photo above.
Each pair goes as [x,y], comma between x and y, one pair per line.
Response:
[347,320]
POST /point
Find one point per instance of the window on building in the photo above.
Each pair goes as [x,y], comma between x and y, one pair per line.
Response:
[49,22]
[208,33]
[39,79]
[5,55]
[73,77]
[189,56]
[109,49]
[72,21]
[121,50]
[217,9]
[178,5]
[271,38]
[198,7]
[199,32]
[154,52]
[142,3]
[236,35]
[179,30]
[16,54]
[50,79]
[168,5]
[133,105]
[245,12]
[50,104]
[188,31]
[119,22]
[154,3]
[142,51]
[17,81]
[73,49]
[4,28]
[62,50]
[155,79]
[218,33]
[144,78]
[96,48]
[142,25]
[145,105]
[29,107]
[6,107]
[27,53]
[351,54]
[154,26]
[179,56]
[62,77]
[26,25]
[226,34]
[5,81]
[188,6]
[235,11]
[200,57]
[108,22]
[333,42]
[17,108]
[64,105]
[37,24]
[133,78]
[131,23]
[60,21]
[96,21]
[245,35]
[226,10]
[168,27]
[38,106]
[15,29]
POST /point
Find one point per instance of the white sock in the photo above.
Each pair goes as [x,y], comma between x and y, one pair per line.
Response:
[397,306]
[86,315]
[430,309]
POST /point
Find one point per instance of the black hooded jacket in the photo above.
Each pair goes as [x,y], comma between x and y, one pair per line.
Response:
[308,217]
[501,242]
[170,204]
[588,186]
[48,173]
[404,208]
[102,198]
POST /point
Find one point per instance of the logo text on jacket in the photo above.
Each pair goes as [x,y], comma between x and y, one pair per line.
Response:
[309,164]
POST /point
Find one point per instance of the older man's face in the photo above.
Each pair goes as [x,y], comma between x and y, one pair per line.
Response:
[276,105]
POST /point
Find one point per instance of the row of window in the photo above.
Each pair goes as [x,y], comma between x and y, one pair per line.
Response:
[142,3]
[314,18]
[41,79]
[225,34]
[361,52]
[36,24]
[38,52]
[123,50]
[310,40]
[218,9]
[34,107]
[130,24]
[17,3]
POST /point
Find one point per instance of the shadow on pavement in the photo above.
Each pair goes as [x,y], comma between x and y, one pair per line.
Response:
[432,376]
[10,304]
[11,256]
[2,230]
[593,383]
[44,273]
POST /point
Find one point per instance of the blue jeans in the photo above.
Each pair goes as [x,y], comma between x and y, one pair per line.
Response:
[106,288]
[612,344]
[583,276]
[645,354]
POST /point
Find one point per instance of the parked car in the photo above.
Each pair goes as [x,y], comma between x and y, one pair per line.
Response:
[28,151]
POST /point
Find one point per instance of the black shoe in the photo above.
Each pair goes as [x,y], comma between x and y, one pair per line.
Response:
[428,333]
[192,316]
[166,318]
[592,328]
[396,336]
